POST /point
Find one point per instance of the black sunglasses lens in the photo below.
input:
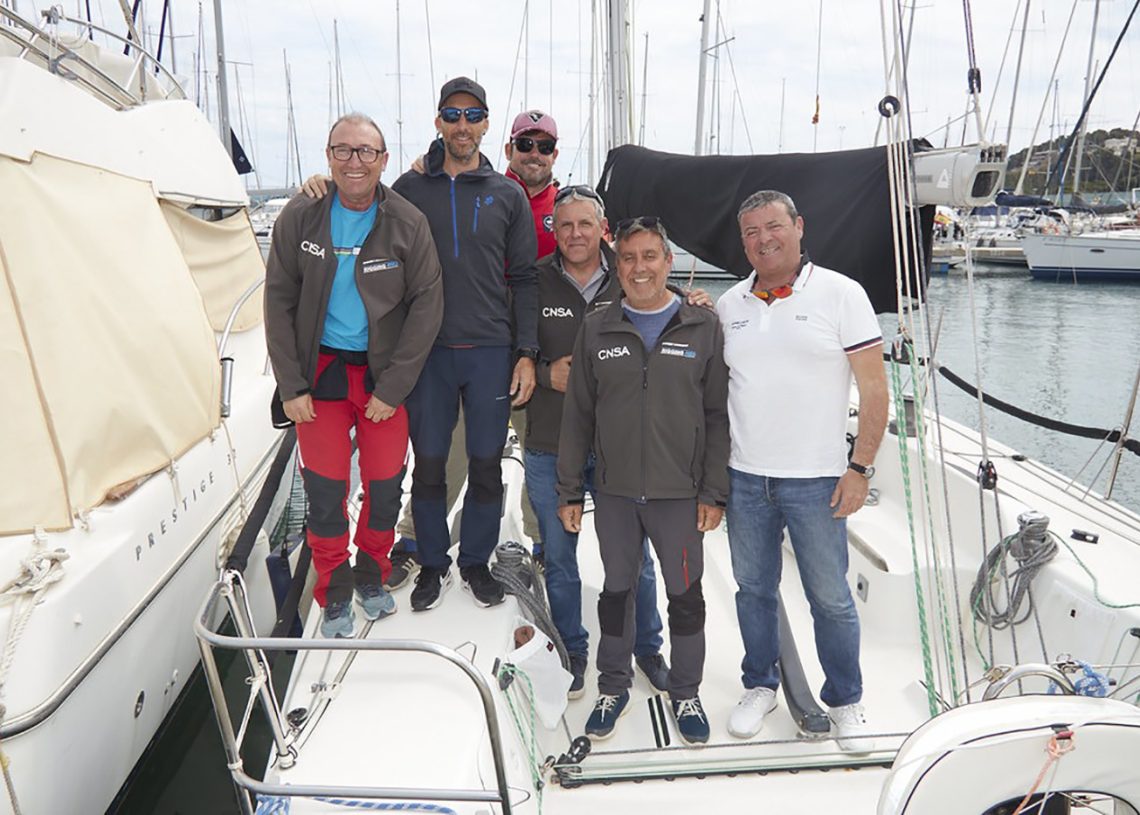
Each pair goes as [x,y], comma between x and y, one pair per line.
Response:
[450,115]
[474,115]
[524,144]
[546,147]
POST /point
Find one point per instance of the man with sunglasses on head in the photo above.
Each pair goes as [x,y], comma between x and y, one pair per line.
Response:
[353,302]
[484,354]
[795,335]
[647,394]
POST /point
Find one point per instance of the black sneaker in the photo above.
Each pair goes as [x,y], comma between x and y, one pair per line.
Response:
[430,587]
[656,670]
[485,590]
[578,665]
[404,566]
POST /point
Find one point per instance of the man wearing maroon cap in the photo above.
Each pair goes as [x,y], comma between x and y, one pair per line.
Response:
[530,155]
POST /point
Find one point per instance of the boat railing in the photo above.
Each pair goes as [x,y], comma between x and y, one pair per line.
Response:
[230,592]
[45,45]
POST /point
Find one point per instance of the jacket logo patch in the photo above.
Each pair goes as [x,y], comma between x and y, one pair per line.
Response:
[736,325]
[548,222]
[313,249]
[614,353]
[379,265]
[687,353]
[801,318]
[557,311]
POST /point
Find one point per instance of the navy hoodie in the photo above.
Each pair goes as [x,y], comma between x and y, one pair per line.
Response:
[484,234]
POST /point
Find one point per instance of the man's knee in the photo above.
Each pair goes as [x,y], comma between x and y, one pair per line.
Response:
[611,612]
[429,479]
[384,502]
[485,479]
[326,504]
[687,611]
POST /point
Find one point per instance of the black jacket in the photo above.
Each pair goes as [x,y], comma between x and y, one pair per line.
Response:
[484,234]
[561,310]
[656,419]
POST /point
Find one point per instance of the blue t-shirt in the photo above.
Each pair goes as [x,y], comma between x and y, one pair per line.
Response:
[346,322]
[650,324]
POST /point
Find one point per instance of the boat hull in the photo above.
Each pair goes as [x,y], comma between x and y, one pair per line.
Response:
[1093,256]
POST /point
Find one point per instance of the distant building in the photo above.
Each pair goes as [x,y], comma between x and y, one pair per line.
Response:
[1116,146]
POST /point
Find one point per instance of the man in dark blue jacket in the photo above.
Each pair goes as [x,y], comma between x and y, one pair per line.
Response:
[484,234]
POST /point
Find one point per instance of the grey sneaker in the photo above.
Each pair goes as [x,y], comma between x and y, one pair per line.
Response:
[656,670]
[375,602]
[404,567]
[337,620]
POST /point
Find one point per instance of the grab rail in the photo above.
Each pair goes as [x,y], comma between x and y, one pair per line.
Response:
[231,589]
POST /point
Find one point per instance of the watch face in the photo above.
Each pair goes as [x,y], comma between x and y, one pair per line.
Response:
[870,471]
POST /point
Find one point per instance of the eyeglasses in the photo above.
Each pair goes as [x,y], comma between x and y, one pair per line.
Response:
[524,144]
[640,222]
[342,152]
[472,115]
[578,189]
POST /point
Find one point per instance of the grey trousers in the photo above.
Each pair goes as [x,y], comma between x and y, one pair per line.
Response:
[456,473]
[622,524]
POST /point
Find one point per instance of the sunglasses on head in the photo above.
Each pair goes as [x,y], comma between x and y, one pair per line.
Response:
[578,189]
[472,115]
[524,144]
[640,222]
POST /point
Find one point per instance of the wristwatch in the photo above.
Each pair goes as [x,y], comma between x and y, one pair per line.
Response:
[866,472]
[528,353]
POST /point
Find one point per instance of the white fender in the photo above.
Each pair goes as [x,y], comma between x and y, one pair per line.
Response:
[973,757]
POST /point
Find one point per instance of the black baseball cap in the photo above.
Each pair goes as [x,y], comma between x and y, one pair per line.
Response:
[462,84]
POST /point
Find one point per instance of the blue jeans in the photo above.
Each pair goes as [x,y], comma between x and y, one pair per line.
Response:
[759,507]
[563,585]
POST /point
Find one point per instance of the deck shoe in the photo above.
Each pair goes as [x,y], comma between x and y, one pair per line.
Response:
[607,710]
[375,602]
[578,664]
[691,721]
[747,717]
[405,564]
[849,727]
[485,590]
[538,557]
[337,620]
[656,670]
[431,584]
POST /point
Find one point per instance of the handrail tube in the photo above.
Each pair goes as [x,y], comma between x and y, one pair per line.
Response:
[225,338]
[204,634]
[314,791]
[1019,672]
[229,740]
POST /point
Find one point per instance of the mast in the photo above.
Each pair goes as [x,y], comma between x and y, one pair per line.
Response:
[1084,121]
[399,90]
[783,88]
[701,76]
[223,85]
[593,86]
[339,78]
[644,91]
[620,112]
[1017,78]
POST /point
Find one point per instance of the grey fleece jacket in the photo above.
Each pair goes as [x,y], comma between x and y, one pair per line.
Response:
[397,275]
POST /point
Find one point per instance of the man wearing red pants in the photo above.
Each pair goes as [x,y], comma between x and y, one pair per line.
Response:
[353,303]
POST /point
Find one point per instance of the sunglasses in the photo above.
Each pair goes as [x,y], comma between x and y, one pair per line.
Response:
[578,189]
[342,152]
[640,222]
[524,144]
[778,293]
[472,115]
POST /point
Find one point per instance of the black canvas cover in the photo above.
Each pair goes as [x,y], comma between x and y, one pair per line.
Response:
[843,198]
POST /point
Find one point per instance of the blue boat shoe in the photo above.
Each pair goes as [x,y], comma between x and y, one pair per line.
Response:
[691,721]
[607,710]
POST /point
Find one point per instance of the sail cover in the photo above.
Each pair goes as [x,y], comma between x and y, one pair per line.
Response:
[843,198]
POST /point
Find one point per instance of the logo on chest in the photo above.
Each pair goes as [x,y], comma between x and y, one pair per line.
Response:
[614,353]
[677,349]
[548,222]
[379,265]
[313,249]
[557,311]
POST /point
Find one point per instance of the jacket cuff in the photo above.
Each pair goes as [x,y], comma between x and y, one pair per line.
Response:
[542,373]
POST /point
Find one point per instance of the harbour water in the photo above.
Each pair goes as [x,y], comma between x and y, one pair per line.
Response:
[1062,351]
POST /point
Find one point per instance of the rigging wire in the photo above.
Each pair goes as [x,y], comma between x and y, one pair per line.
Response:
[1004,56]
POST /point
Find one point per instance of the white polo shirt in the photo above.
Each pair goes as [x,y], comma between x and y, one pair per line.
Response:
[789,376]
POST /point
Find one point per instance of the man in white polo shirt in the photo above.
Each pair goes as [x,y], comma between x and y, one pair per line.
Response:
[794,333]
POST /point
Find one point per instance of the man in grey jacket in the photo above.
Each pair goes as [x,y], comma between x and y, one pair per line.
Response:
[648,393]
[353,301]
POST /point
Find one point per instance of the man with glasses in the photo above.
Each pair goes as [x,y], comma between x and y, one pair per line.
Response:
[353,302]
[484,354]
[794,335]
[647,394]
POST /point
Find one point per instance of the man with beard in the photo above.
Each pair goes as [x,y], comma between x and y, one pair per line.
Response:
[484,355]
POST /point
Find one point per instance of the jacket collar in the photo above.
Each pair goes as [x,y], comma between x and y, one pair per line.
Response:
[433,163]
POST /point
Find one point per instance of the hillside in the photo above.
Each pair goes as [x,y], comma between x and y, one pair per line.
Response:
[1112,161]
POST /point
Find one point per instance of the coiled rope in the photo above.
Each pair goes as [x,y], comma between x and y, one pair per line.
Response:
[514,568]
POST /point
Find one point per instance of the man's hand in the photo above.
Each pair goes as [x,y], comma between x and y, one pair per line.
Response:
[560,373]
[849,495]
[300,409]
[378,410]
[708,517]
[316,186]
[522,383]
[699,297]
[418,164]
[571,517]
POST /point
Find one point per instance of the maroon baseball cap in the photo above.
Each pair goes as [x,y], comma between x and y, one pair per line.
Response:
[531,120]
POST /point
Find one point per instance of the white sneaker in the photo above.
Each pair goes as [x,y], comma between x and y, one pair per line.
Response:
[747,717]
[849,727]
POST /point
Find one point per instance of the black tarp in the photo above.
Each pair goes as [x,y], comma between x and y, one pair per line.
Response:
[1009,199]
[843,198]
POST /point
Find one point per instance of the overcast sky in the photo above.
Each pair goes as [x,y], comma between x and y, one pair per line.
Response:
[767,72]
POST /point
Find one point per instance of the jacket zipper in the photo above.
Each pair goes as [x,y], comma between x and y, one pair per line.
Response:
[644,417]
[454,220]
[475,225]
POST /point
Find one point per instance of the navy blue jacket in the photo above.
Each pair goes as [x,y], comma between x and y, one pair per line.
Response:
[484,235]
